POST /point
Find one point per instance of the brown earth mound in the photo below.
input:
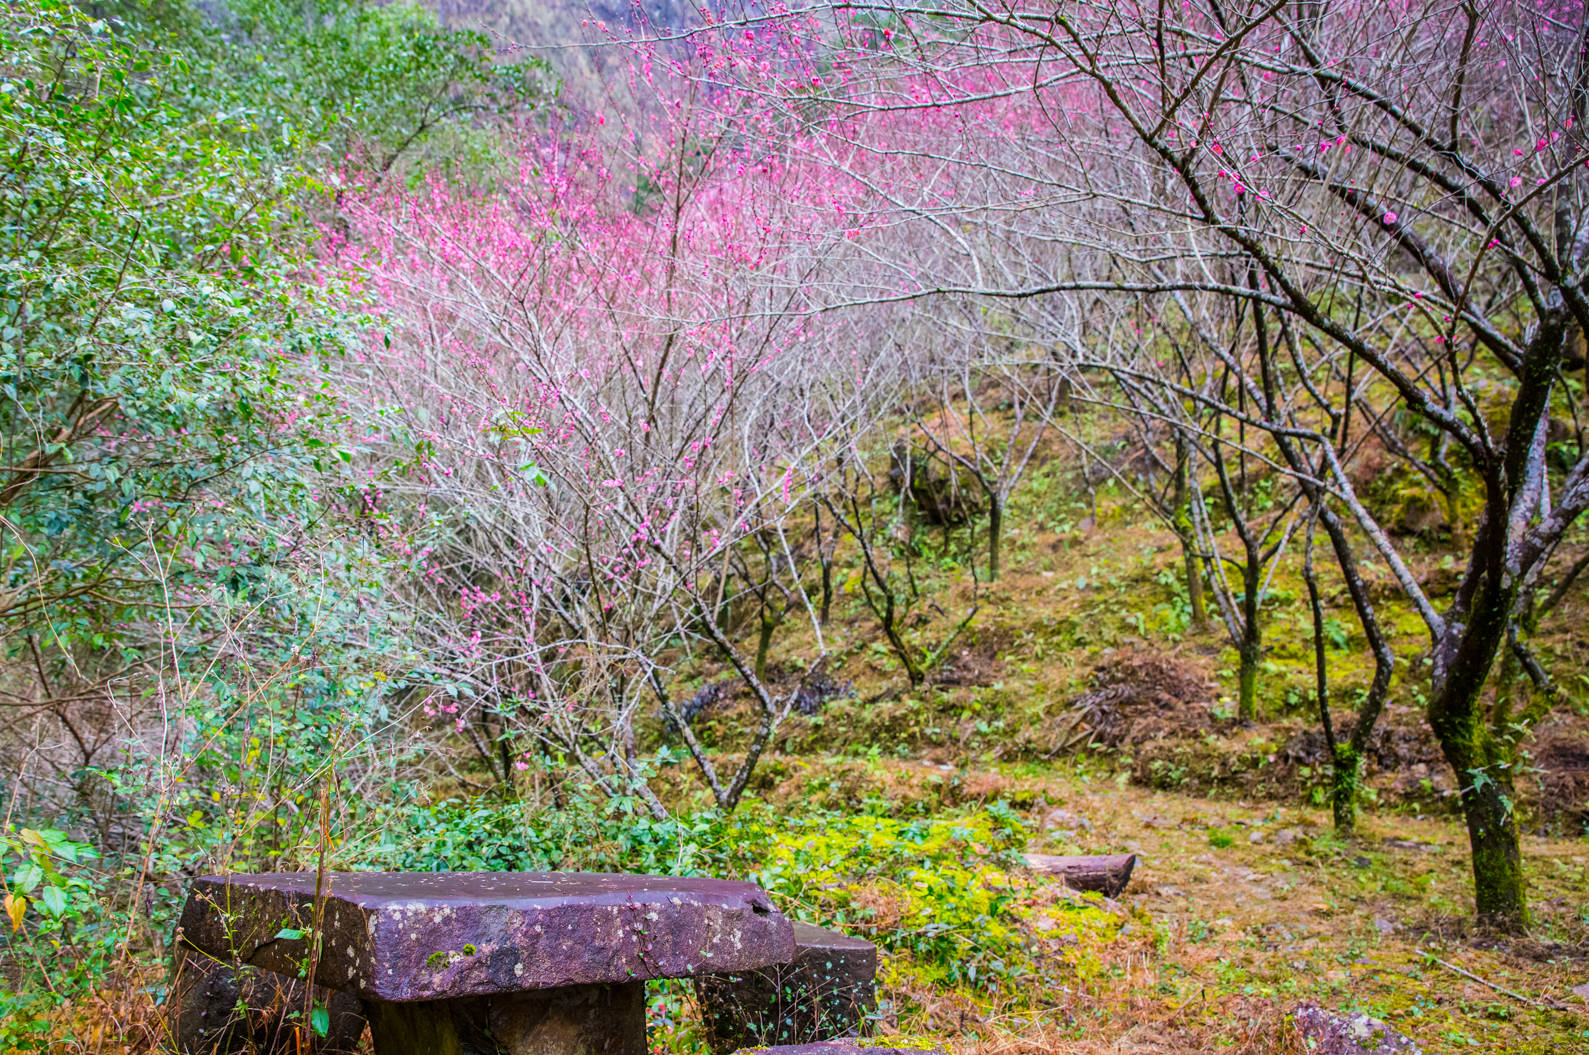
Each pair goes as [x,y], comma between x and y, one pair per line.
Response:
[1141,695]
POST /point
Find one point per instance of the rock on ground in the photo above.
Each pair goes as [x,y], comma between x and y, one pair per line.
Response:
[1326,1032]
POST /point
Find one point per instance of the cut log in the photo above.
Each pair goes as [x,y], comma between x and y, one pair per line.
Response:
[1108,874]
[880,1046]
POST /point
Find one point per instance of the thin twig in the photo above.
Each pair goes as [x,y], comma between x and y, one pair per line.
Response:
[1547,1004]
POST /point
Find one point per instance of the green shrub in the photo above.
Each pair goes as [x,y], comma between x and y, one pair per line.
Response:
[59,939]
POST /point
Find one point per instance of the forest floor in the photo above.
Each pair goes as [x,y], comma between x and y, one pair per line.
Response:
[1254,909]
[1238,913]
[1081,700]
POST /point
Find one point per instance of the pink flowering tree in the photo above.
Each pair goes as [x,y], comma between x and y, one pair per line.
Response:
[598,379]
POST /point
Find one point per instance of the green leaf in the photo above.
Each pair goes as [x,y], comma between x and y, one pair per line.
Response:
[54,900]
[320,1021]
[29,877]
[289,934]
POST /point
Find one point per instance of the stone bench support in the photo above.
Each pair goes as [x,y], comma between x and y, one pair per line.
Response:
[218,1008]
[574,1020]
[825,992]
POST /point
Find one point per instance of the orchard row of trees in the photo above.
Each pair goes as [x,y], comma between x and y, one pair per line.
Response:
[1298,232]
[1274,240]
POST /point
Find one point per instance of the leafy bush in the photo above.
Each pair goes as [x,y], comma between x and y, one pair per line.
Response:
[186,595]
[934,890]
[58,941]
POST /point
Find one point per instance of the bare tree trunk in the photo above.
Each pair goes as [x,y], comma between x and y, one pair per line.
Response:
[877,591]
[1348,757]
[1251,650]
[1499,887]
[995,533]
[1481,762]
[1344,770]
[763,642]
[825,555]
[1188,534]
[888,615]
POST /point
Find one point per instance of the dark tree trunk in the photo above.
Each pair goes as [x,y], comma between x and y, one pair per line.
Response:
[896,641]
[1244,627]
[1482,763]
[827,591]
[1499,889]
[825,555]
[877,591]
[1194,584]
[1346,782]
[505,757]
[1345,762]
[763,642]
[1346,757]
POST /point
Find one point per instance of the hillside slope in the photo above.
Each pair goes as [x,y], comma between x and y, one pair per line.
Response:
[566,33]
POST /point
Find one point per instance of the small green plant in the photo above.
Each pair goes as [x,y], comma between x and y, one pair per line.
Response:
[1166,775]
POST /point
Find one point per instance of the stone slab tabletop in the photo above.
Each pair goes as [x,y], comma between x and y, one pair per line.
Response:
[405,936]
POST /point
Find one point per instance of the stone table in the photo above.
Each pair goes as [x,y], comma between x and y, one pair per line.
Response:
[457,963]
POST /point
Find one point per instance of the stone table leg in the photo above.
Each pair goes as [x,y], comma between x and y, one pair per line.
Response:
[575,1020]
[219,1008]
[826,992]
